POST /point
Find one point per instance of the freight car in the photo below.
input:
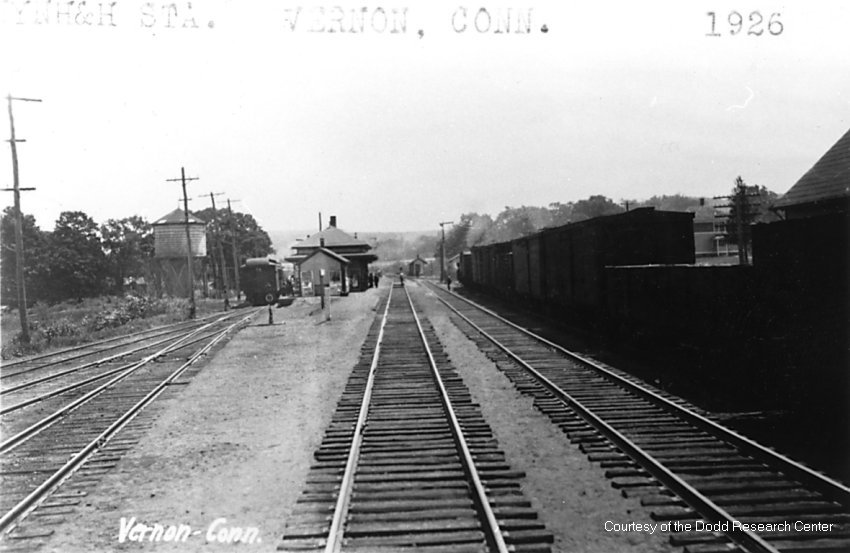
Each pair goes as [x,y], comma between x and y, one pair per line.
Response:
[563,268]
[262,281]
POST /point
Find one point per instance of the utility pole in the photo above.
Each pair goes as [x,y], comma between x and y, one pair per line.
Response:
[191,271]
[235,242]
[220,250]
[443,250]
[19,223]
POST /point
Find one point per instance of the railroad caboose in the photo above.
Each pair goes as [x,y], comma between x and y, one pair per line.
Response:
[261,279]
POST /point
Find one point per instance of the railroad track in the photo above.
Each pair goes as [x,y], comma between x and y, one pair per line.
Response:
[11,370]
[56,384]
[711,484]
[46,468]
[408,462]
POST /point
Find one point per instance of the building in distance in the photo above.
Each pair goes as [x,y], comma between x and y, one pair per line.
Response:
[344,258]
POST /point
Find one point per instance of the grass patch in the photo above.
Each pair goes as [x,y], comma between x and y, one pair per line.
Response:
[72,323]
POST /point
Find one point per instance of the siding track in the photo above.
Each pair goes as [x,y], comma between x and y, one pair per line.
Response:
[685,467]
[408,463]
[46,468]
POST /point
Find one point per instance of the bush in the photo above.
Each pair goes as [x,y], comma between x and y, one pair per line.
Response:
[70,323]
[133,307]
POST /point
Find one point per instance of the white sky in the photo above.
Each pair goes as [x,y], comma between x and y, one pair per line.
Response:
[396,132]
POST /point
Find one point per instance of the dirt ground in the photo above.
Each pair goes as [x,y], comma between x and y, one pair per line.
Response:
[236,444]
[227,458]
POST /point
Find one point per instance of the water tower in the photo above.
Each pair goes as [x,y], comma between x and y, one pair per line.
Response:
[171,251]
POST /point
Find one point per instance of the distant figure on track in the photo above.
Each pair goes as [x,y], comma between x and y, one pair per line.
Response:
[449,283]
[401,277]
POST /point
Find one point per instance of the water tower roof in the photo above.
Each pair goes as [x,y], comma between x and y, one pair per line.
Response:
[177,217]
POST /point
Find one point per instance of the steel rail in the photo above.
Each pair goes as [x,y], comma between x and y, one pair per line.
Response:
[101,376]
[824,484]
[492,531]
[26,505]
[700,503]
[88,365]
[6,365]
[36,427]
[335,534]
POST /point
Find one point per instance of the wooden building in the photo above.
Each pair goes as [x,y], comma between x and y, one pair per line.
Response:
[326,267]
[170,266]
[824,189]
[416,268]
[340,252]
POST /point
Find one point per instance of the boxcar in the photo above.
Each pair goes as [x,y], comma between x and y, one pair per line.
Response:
[464,271]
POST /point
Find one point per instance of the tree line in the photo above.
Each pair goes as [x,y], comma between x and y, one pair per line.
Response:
[81,258]
[473,229]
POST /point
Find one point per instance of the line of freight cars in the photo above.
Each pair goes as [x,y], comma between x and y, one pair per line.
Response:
[563,268]
[631,277]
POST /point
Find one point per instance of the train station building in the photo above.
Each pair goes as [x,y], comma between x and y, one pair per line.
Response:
[344,258]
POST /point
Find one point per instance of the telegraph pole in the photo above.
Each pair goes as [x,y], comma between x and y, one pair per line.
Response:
[217,235]
[235,255]
[19,232]
[191,271]
[443,250]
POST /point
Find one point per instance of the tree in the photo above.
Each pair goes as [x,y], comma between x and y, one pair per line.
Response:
[514,222]
[251,239]
[128,244]
[747,205]
[458,236]
[35,246]
[595,206]
[77,264]
[561,214]
[674,202]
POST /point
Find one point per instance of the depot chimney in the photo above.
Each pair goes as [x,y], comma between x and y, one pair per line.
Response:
[333,221]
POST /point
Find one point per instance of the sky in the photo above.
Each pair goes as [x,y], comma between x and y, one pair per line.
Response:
[397,131]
